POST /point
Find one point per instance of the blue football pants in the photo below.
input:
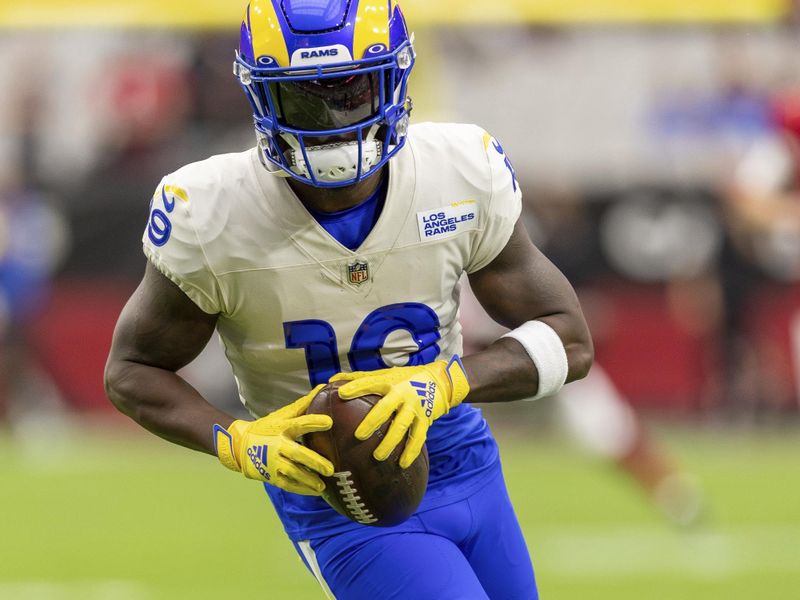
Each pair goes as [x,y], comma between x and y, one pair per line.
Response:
[469,550]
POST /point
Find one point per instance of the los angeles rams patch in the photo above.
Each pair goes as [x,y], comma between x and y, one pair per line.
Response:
[447,221]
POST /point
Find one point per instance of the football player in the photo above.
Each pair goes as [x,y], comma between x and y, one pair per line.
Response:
[333,250]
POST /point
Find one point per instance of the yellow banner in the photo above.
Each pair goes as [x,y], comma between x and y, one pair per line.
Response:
[597,11]
[420,13]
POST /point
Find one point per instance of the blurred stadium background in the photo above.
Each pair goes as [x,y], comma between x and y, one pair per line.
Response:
[657,144]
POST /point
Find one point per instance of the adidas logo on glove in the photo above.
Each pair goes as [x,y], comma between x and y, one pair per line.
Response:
[427,393]
[258,456]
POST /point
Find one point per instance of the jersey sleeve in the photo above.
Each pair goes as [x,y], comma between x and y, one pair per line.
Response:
[171,244]
[503,208]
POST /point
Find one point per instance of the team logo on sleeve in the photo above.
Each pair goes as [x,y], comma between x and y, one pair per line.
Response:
[358,272]
[448,220]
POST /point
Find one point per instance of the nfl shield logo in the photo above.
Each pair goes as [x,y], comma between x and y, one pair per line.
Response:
[357,272]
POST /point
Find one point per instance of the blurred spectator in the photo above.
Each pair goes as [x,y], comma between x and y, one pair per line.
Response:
[33,242]
[763,199]
[761,203]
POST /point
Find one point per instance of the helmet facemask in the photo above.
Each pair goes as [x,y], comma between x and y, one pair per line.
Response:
[344,120]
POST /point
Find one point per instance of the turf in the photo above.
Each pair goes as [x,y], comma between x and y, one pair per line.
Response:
[122,515]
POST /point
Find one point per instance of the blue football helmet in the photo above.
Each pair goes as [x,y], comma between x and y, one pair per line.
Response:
[327,81]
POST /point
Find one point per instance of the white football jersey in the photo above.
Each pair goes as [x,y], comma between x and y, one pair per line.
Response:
[294,305]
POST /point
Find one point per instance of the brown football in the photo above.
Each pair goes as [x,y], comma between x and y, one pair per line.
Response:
[365,490]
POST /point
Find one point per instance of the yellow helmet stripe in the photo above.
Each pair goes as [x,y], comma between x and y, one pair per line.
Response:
[266,31]
[372,26]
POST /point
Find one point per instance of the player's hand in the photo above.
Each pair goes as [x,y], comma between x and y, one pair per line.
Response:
[416,396]
[267,449]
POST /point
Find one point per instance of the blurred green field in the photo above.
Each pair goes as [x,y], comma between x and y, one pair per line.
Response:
[121,515]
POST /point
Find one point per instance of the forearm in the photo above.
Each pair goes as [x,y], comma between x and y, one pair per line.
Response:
[162,402]
[504,371]
[519,286]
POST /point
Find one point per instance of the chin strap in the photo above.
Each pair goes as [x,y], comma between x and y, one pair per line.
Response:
[334,162]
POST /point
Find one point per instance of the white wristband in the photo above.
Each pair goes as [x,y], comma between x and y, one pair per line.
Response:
[547,352]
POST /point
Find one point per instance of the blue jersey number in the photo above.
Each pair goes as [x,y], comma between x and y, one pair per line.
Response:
[318,340]
[160,227]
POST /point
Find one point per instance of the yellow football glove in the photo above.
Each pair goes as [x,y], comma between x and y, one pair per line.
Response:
[267,450]
[416,396]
